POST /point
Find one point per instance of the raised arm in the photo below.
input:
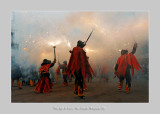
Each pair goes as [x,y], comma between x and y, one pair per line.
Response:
[134,48]
[52,64]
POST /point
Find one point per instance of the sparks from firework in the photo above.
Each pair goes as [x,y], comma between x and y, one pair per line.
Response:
[24,48]
[59,42]
[68,44]
[89,50]
[95,25]
[55,43]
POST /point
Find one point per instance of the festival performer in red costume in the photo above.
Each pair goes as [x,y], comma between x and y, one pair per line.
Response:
[44,84]
[79,66]
[124,63]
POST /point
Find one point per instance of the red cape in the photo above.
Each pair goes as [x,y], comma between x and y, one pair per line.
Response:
[79,60]
[122,64]
[44,82]
[45,68]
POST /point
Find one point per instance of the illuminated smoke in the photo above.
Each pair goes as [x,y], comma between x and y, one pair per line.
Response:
[89,50]
[54,43]
[37,33]
[69,44]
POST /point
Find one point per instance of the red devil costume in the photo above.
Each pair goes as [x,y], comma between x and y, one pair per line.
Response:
[79,66]
[44,84]
[122,69]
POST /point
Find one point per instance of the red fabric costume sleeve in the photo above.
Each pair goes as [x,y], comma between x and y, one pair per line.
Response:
[133,63]
[122,62]
[78,60]
[44,68]
[122,65]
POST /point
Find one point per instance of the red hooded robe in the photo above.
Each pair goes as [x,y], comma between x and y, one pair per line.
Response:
[44,82]
[125,59]
[79,60]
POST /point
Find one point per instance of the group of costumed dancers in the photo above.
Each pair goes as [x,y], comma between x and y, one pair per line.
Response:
[79,67]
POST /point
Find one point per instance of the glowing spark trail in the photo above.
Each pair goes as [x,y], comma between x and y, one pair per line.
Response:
[69,44]
[89,50]
[54,43]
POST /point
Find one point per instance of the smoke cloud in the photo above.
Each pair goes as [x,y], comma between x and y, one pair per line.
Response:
[37,32]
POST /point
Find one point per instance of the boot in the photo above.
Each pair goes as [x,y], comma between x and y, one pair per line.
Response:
[127,89]
[120,85]
[80,91]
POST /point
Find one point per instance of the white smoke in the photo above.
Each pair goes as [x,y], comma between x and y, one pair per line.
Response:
[37,32]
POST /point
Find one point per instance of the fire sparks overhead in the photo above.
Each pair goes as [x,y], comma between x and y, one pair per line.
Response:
[69,44]
[96,26]
[59,42]
[89,50]
[54,43]
[39,32]
[24,48]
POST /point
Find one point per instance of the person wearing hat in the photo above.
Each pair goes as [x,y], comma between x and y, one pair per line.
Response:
[124,63]
[64,68]
[44,84]
[79,66]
